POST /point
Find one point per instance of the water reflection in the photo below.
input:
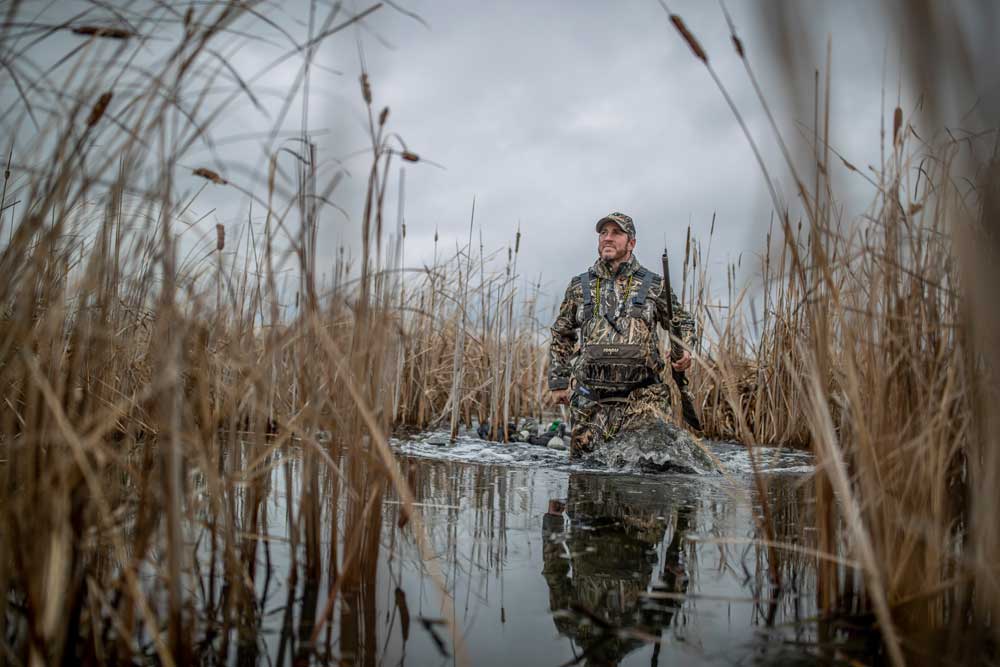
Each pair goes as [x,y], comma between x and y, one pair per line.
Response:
[556,567]
[546,566]
[610,585]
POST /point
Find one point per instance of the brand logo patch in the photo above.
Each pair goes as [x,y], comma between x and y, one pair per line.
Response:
[610,350]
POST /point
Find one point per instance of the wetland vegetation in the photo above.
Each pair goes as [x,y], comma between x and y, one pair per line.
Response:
[196,436]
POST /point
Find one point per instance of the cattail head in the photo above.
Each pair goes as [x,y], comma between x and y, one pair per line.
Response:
[366,89]
[103,31]
[210,175]
[738,45]
[99,108]
[517,241]
[410,157]
[220,237]
[699,52]
[382,117]
[897,122]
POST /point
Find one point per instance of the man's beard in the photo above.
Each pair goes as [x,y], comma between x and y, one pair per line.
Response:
[618,255]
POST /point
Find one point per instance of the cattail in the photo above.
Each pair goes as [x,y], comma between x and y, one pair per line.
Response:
[220,237]
[689,38]
[850,167]
[517,242]
[210,175]
[738,45]
[382,117]
[366,89]
[897,122]
[103,31]
[99,108]
[410,157]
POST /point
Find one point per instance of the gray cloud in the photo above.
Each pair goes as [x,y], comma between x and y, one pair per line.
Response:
[552,114]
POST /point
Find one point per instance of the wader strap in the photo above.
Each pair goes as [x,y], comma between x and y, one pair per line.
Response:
[639,300]
[588,298]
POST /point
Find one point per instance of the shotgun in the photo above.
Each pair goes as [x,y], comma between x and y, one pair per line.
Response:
[687,406]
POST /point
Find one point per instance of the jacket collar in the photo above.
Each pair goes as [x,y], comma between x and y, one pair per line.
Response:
[602,269]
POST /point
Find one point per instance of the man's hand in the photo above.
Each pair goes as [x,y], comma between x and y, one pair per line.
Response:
[683,363]
[559,397]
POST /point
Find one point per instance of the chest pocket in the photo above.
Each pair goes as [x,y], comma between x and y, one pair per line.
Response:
[637,306]
[613,366]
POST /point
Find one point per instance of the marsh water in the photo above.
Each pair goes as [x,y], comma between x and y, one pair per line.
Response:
[546,562]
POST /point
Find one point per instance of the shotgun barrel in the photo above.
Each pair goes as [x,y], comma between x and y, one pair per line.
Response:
[674,330]
[687,404]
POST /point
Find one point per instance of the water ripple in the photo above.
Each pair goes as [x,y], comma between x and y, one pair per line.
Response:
[470,449]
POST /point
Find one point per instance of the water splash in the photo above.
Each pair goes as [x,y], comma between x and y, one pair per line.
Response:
[468,448]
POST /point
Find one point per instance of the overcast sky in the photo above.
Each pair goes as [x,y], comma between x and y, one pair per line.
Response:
[552,114]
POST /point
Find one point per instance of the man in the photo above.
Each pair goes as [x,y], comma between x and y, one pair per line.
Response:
[617,366]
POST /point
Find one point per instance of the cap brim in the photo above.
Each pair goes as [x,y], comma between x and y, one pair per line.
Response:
[600,222]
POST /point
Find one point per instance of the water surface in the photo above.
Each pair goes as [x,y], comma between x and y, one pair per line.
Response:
[547,562]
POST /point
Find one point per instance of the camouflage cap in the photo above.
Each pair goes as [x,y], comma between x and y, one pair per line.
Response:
[623,221]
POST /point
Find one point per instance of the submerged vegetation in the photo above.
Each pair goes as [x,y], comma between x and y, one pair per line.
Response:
[151,383]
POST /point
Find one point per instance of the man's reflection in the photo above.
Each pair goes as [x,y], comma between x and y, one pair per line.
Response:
[601,551]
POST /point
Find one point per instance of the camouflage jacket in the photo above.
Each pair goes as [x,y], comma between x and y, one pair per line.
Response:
[595,353]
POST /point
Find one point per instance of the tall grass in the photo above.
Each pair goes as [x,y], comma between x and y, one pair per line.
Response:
[141,390]
[152,385]
[871,351]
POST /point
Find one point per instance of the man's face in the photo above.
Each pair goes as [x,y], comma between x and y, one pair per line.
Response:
[613,244]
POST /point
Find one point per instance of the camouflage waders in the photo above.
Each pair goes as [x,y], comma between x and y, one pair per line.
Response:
[596,421]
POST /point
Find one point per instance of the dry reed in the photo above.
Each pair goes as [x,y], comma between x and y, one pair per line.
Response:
[145,393]
[867,355]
